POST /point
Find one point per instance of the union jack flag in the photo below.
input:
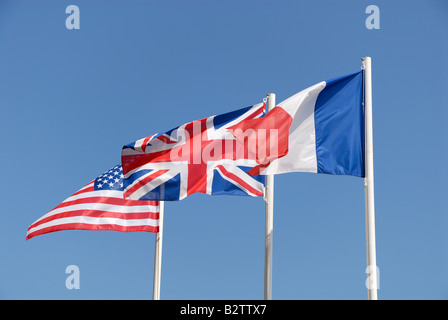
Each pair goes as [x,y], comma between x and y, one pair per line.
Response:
[200,156]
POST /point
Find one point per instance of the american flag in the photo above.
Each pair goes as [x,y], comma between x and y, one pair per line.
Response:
[200,156]
[100,206]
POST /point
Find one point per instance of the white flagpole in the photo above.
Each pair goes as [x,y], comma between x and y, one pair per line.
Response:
[158,255]
[372,270]
[269,222]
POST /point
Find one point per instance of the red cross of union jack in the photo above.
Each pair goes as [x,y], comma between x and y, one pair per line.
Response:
[200,156]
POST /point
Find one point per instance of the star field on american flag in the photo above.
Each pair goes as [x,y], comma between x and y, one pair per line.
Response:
[110,180]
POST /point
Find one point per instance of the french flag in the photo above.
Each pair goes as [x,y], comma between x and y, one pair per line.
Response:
[320,130]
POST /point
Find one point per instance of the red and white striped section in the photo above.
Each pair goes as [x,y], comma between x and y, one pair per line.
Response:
[90,209]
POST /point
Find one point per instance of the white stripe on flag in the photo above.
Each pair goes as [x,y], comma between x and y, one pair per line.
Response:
[302,137]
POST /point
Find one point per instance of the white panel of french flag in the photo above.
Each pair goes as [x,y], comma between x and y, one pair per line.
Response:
[326,134]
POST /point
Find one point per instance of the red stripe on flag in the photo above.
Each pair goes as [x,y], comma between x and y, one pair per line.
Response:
[97,214]
[166,139]
[258,112]
[145,142]
[107,200]
[143,182]
[240,181]
[86,226]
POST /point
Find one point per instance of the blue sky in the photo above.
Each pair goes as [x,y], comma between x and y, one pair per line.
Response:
[70,99]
